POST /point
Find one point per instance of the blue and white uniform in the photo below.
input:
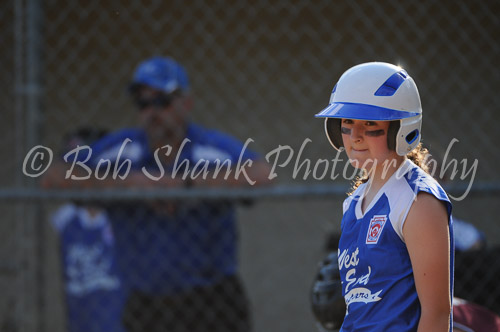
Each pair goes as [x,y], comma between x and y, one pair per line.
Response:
[375,267]
[94,290]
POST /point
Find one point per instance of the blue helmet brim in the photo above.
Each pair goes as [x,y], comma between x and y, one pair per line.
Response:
[363,112]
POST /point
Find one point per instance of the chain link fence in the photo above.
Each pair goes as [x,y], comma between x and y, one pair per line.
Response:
[258,70]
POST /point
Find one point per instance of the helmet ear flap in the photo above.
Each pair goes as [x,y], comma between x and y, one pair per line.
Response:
[332,128]
[392,133]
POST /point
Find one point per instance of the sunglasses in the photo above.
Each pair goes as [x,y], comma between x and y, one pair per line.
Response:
[160,101]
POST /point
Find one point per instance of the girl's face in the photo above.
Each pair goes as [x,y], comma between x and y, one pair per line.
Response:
[365,142]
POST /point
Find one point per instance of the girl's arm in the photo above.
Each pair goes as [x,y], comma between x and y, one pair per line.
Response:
[426,233]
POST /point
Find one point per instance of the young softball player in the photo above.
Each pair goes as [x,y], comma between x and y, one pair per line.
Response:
[396,246]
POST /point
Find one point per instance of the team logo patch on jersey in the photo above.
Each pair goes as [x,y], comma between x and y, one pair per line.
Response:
[376,226]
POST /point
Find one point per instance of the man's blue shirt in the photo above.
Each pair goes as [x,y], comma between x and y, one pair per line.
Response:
[168,247]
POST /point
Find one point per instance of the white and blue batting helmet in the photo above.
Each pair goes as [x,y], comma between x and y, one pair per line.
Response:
[376,91]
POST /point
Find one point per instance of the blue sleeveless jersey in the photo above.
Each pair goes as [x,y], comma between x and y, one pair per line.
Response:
[94,291]
[375,267]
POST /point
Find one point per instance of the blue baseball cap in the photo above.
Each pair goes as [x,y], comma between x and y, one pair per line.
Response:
[161,73]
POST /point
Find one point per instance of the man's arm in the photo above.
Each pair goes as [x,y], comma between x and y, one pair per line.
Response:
[247,175]
[57,177]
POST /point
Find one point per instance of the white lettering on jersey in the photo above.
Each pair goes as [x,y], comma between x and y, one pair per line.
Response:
[346,260]
[359,294]
[89,269]
[362,294]
[363,280]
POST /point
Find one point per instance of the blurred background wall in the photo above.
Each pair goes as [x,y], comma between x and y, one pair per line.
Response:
[260,70]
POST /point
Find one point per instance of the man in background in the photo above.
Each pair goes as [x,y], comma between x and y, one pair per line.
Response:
[179,258]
